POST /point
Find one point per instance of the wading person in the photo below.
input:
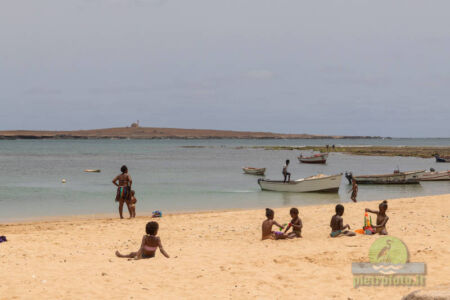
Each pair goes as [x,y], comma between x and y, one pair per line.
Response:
[354,190]
[123,183]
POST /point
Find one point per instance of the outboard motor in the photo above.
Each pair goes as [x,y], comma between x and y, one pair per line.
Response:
[432,170]
[349,177]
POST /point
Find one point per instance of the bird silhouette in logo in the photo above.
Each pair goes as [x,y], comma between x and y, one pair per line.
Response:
[383,255]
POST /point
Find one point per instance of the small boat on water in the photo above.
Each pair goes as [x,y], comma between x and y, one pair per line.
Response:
[320,158]
[442,158]
[92,170]
[317,183]
[435,176]
[254,171]
[394,178]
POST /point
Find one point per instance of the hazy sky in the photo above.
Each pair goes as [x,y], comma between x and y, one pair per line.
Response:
[350,67]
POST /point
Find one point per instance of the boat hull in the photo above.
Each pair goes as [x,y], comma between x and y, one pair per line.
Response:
[442,159]
[329,184]
[316,159]
[254,171]
[435,176]
[394,178]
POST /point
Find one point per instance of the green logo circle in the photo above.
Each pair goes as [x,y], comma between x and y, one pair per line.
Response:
[388,249]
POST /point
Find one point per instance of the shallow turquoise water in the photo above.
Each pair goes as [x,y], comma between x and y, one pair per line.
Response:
[172,178]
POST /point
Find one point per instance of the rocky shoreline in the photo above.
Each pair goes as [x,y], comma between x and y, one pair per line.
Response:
[411,151]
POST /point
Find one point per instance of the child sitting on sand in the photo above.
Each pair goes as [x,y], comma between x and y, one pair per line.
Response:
[382,219]
[296,224]
[337,223]
[267,232]
[133,201]
[150,243]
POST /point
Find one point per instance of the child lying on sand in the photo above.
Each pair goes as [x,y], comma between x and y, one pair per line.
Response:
[296,224]
[382,219]
[267,232]
[337,223]
[150,243]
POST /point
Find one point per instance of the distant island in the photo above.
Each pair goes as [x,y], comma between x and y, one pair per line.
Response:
[136,132]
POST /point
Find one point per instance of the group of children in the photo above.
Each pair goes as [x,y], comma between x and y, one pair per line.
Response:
[151,242]
[337,223]
[295,224]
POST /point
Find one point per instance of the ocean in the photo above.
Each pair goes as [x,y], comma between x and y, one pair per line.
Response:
[171,177]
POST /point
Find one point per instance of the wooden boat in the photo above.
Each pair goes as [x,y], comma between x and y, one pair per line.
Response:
[435,176]
[394,178]
[92,170]
[320,158]
[254,171]
[317,183]
[442,158]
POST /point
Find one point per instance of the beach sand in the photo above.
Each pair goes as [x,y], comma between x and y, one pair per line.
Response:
[217,255]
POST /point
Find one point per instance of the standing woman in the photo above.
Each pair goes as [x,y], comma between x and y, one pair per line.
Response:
[123,189]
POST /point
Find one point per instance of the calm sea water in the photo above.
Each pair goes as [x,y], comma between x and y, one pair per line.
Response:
[169,177]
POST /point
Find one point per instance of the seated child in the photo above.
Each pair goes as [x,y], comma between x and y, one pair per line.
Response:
[337,223]
[150,243]
[133,201]
[382,219]
[267,232]
[296,224]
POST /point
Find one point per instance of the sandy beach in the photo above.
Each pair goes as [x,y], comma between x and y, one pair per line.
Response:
[216,255]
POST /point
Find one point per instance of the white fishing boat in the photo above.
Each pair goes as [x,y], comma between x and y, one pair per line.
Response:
[394,178]
[435,176]
[320,158]
[254,171]
[317,183]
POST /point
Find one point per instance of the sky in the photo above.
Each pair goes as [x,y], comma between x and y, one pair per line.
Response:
[338,67]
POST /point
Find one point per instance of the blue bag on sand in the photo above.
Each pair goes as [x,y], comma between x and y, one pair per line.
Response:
[3,238]
[157,214]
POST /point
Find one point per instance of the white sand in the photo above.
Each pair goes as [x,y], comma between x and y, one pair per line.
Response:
[216,255]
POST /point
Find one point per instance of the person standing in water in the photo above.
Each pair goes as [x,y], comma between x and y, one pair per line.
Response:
[286,174]
[123,183]
[354,190]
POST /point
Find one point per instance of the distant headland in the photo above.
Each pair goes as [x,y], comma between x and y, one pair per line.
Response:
[136,132]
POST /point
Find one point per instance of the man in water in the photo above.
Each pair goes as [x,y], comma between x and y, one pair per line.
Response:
[123,189]
[286,174]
